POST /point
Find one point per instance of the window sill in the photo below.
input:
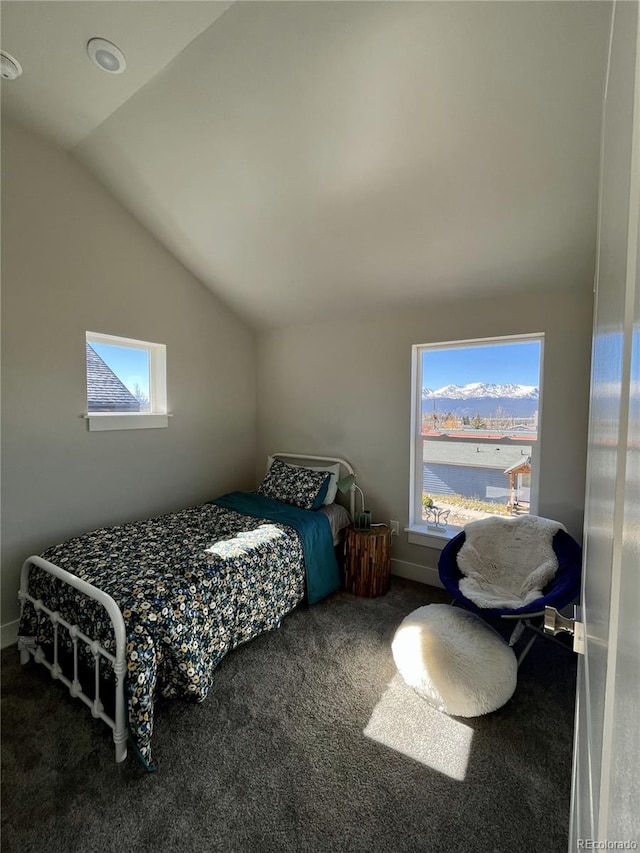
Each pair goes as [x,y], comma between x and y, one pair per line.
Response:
[430,536]
[133,420]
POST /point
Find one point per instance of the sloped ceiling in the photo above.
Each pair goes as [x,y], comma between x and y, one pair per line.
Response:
[307,160]
[61,93]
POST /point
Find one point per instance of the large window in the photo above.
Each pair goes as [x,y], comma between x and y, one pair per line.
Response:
[475,447]
[126,383]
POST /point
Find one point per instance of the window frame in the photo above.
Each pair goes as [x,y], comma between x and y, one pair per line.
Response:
[417,532]
[157,416]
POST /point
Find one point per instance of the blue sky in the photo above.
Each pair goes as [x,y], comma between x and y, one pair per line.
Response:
[516,363]
[130,365]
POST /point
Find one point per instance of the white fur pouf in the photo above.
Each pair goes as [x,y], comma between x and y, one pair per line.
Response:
[454,660]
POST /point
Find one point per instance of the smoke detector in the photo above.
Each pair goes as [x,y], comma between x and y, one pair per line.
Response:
[10,68]
[106,55]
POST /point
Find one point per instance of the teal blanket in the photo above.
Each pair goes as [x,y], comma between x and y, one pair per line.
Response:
[321,568]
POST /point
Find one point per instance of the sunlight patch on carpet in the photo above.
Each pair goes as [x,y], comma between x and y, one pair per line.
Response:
[404,722]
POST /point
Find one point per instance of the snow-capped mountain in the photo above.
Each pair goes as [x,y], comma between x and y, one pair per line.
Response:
[481,390]
[482,398]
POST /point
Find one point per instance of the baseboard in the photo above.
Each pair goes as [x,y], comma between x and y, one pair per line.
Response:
[416,572]
[9,633]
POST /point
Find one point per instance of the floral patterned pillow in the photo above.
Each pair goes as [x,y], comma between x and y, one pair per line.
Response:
[298,486]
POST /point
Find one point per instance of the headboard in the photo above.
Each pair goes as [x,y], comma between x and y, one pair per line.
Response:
[329,460]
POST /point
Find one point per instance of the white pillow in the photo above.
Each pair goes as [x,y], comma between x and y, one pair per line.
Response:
[334,470]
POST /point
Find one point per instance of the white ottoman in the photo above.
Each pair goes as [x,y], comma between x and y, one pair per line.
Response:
[454,660]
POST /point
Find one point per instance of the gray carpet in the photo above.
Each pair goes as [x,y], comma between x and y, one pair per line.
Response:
[309,742]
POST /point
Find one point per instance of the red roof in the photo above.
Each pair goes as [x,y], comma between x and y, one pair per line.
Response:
[472,435]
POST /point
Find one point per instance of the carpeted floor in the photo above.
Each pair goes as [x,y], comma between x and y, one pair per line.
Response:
[309,742]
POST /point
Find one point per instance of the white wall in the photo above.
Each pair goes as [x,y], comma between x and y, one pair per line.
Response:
[344,388]
[74,260]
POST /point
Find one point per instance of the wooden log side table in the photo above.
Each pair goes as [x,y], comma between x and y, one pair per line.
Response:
[367,561]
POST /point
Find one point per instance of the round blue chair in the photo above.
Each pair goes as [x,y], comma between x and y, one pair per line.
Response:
[563,589]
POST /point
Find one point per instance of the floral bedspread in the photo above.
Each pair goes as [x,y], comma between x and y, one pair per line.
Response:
[191,585]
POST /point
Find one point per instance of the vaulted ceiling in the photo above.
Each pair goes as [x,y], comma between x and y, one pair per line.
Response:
[306,159]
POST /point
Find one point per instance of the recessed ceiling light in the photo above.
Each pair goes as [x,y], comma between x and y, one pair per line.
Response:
[10,68]
[106,55]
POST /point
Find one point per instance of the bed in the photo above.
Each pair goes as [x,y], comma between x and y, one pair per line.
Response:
[150,608]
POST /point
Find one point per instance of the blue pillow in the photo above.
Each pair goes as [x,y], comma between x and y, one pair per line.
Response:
[324,488]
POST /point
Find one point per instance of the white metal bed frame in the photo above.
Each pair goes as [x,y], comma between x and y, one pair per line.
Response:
[29,648]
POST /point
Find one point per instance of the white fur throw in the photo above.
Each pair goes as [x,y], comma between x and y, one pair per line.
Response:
[507,561]
[454,660]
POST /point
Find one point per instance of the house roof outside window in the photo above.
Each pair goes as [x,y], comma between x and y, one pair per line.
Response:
[105,392]
[477,454]
[521,467]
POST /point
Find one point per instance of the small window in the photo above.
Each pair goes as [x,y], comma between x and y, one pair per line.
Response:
[475,447]
[126,383]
